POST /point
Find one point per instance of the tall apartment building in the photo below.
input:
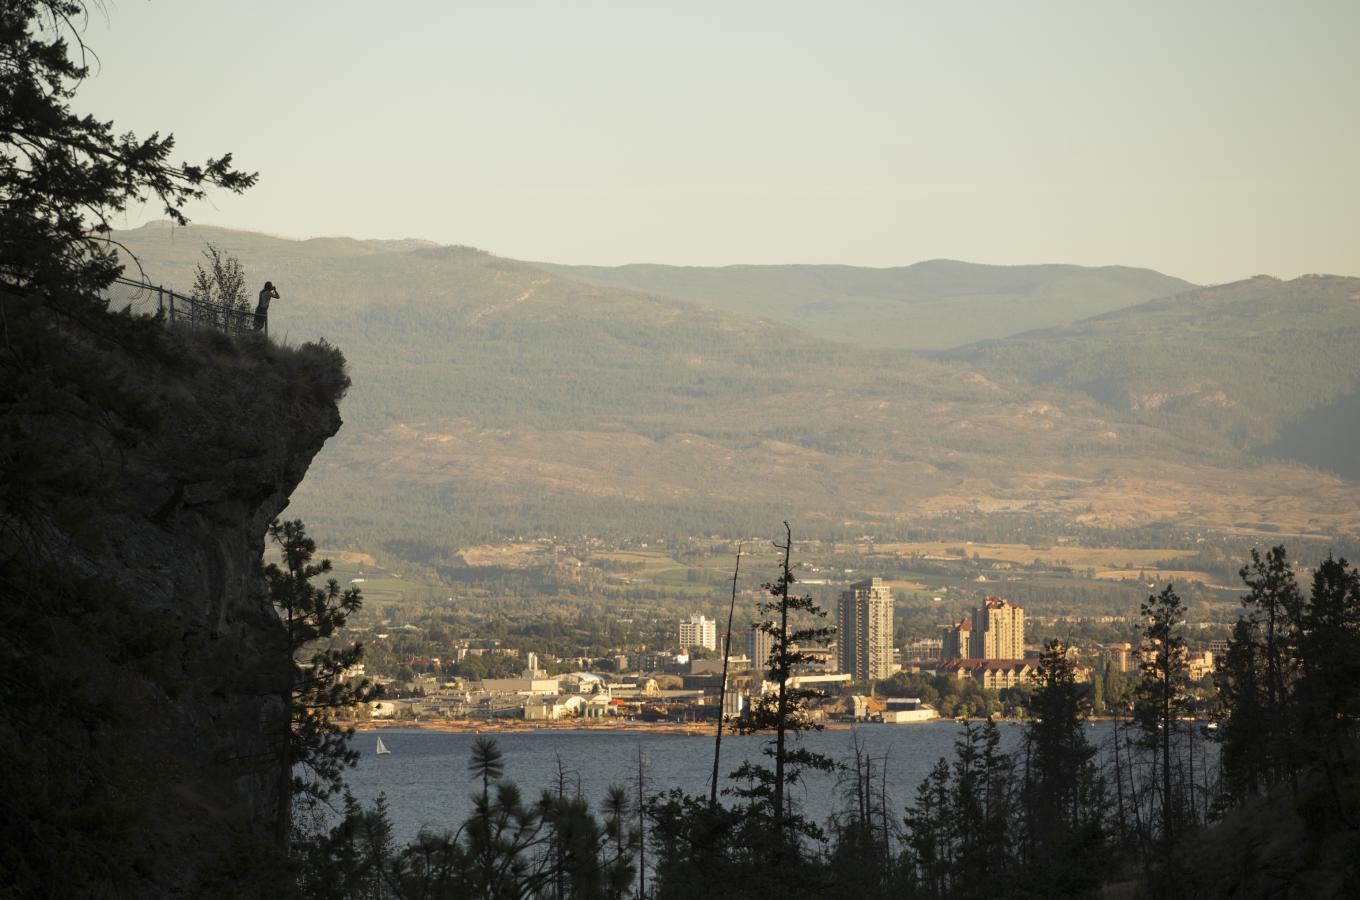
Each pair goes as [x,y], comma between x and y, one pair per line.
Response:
[864,630]
[998,630]
[957,640]
[758,647]
[995,631]
[699,632]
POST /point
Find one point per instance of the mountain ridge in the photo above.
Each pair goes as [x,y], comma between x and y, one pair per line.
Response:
[1249,360]
[491,397]
[927,305]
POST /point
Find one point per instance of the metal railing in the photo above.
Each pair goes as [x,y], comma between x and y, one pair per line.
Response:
[180,309]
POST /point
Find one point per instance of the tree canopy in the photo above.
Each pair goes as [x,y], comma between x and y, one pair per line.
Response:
[64,174]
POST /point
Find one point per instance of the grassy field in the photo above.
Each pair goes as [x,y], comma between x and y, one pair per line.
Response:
[377,584]
[1061,555]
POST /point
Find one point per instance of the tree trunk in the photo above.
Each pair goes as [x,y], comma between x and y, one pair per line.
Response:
[722,692]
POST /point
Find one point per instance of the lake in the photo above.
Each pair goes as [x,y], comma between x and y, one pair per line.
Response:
[427,785]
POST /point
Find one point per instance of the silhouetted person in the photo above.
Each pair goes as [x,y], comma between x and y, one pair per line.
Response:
[262,310]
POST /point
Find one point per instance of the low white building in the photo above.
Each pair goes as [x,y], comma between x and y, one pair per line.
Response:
[565,706]
[393,709]
[583,683]
[821,682]
[522,686]
[553,708]
[903,710]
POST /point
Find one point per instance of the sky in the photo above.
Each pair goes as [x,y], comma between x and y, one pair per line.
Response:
[1212,141]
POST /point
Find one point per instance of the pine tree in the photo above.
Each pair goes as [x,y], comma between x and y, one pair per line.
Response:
[487,764]
[1064,794]
[860,862]
[313,748]
[621,843]
[785,711]
[1242,713]
[65,175]
[502,835]
[1160,702]
[1274,606]
[1329,683]
[931,830]
[1060,755]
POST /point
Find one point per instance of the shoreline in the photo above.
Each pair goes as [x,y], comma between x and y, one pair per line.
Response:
[628,726]
[631,726]
[513,726]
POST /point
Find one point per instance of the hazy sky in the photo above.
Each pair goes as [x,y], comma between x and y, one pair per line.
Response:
[1209,140]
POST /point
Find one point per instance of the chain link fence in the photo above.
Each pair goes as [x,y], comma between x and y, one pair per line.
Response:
[179,309]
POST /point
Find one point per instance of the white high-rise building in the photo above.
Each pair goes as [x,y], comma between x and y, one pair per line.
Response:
[699,632]
[864,630]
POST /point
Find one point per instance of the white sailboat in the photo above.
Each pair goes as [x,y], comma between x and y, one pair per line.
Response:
[381,748]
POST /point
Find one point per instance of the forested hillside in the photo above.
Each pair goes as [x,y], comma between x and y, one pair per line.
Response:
[927,306]
[493,399]
[1268,365]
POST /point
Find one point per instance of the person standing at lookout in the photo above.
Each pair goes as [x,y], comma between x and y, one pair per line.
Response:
[262,309]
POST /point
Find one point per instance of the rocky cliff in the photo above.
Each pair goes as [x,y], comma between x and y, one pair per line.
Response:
[141,468]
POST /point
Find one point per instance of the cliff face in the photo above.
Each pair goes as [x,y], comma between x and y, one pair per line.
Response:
[185,540]
[146,467]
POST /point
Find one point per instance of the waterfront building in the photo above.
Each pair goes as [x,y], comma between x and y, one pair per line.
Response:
[903,710]
[820,681]
[553,708]
[699,632]
[993,674]
[522,686]
[864,630]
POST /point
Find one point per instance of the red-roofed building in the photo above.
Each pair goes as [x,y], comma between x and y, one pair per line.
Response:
[994,674]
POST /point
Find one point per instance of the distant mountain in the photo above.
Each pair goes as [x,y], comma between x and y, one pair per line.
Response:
[492,398]
[927,306]
[1267,365]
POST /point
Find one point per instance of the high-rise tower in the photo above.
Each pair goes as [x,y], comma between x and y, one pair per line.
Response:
[864,630]
[699,632]
[996,630]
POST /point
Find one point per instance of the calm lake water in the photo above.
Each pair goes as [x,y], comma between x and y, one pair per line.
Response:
[427,785]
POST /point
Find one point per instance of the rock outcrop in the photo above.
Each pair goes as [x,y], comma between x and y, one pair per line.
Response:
[161,458]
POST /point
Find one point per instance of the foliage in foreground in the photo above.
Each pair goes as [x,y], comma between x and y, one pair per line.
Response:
[1053,817]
